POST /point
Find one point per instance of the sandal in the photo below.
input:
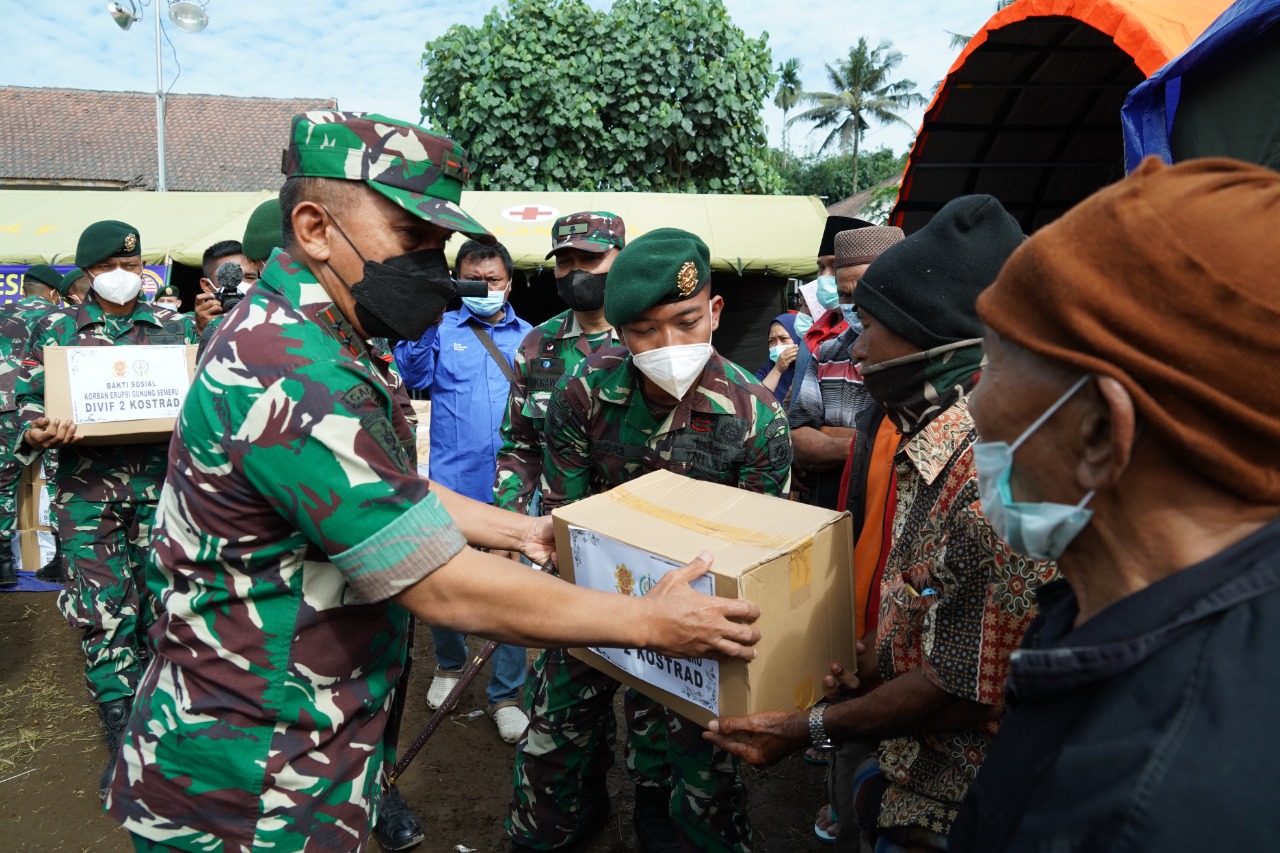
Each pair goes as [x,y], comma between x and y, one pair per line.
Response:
[827,825]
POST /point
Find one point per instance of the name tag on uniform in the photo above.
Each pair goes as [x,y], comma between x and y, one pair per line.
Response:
[545,373]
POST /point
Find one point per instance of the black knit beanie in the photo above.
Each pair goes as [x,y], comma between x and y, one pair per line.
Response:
[925,288]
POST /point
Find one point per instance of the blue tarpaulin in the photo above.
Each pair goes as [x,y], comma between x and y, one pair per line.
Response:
[1150,110]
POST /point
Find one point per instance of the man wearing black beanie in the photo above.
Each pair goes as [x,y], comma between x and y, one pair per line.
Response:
[955,600]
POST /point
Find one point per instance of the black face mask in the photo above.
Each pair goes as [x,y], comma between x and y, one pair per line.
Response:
[401,297]
[581,290]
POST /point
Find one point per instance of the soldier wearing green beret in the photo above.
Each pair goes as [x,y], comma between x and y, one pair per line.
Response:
[263,233]
[74,287]
[104,496]
[296,542]
[664,400]
[17,319]
[169,297]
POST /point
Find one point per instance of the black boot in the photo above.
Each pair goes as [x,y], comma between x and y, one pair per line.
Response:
[115,717]
[8,574]
[655,830]
[54,571]
[398,828]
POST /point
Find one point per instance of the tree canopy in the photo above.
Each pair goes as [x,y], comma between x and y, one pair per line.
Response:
[658,95]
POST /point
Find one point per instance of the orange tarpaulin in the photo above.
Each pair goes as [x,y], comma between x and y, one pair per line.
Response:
[1030,110]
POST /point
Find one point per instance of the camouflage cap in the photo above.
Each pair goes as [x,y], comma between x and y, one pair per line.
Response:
[264,231]
[44,274]
[666,265]
[421,171]
[64,286]
[590,230]
[109,238]
[169,291]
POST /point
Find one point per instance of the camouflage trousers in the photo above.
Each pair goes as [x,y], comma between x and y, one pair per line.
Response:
[10,473]
[105,546]
[571,740]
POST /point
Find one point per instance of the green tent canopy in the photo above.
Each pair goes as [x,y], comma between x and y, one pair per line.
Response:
[765,235]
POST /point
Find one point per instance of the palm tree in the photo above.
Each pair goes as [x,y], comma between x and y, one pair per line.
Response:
[862,91]
[787,96]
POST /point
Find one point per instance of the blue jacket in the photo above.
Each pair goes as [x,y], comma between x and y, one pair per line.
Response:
[468,396]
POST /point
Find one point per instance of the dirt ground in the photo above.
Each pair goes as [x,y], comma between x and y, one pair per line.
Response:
[51,754]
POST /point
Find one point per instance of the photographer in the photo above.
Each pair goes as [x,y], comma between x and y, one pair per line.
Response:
[209,306]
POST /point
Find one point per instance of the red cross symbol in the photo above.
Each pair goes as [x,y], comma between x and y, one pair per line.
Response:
[529,213]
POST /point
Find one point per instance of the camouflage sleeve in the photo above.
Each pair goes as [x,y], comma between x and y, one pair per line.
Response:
[566,463]
[767,466]
[319,446]
[806,397]
[520,457]
[29,392]
[189,332]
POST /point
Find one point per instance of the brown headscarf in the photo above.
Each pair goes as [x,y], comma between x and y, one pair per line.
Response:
[1169,282]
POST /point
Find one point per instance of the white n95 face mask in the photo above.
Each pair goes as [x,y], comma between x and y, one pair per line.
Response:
[118,285]
[674,369]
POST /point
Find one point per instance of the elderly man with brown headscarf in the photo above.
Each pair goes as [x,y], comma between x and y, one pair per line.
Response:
[1130,426]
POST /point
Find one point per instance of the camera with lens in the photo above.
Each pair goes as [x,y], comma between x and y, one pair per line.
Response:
[229,275]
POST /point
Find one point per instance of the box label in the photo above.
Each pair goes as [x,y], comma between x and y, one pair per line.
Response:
[605,564]
[110,384]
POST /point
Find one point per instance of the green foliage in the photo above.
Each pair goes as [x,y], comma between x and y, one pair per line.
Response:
[862,91]
[657,95]
[828,177]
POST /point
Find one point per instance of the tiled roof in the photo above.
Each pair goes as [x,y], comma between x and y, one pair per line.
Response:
[212,142]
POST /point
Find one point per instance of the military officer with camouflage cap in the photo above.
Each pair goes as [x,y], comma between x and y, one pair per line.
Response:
[295,542]
[665,400]
[104,496]
[17,318]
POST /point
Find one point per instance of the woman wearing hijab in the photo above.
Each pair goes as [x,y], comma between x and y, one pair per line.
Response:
[783,348]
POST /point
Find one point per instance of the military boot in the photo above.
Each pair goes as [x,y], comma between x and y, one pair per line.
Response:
[398,828]
[54,571]
[655,830]
[8,574]
[115,717]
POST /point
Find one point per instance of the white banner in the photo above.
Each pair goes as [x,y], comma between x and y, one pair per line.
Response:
[133,383]
[605,564]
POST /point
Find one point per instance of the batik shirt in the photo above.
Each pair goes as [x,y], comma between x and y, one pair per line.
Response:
[601,431]
[291,514]
[550,351]
[116,472]
[955,602]
[17,320]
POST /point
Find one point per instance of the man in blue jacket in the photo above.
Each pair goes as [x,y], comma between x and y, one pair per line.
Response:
[466,364]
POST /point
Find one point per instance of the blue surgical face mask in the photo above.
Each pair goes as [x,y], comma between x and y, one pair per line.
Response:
[1041,531]
[828,294]
[803,324]
[483,306]
[775,353]
[851,317]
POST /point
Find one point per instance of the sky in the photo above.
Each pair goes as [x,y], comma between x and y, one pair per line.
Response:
[367,54]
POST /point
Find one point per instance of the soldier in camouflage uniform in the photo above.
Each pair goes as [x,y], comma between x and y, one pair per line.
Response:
[39,297]
[665,402]
[584,246]
[295,543]
[104,496]
[74,287]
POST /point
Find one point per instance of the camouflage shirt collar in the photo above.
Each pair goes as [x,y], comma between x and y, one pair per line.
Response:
[292,280]
[571,328]
[932,448]
[90,312]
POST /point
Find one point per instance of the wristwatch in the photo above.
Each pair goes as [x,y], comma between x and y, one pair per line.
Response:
[817,731]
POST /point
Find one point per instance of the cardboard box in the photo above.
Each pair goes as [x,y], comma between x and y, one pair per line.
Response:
[121,385]
[33,541]
[423,435]
[795,561]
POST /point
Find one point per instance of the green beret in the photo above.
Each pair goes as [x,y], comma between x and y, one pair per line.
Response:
[421,171]
[64,286]
[264,231]
[666,265]
[44,274]
[107,239]
[168,291]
